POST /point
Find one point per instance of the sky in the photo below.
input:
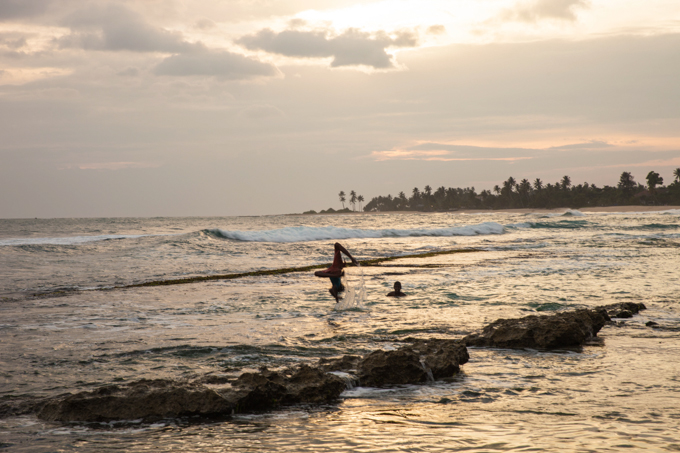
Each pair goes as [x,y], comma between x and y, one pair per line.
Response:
[253,107]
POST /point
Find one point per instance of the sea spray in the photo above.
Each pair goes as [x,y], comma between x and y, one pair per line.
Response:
[355,295]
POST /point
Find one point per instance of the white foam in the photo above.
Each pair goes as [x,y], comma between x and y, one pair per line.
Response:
[304,233]
[72,240]
[355,292]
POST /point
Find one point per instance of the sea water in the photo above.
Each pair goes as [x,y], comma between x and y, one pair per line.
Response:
[68,323]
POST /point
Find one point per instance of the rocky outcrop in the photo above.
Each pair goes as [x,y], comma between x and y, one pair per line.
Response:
[561,330]
[155,399]
[419,362]
[624,309]
[268,389]
[344,363]
[142,399]
[442,357]
[381,368]
[253,392]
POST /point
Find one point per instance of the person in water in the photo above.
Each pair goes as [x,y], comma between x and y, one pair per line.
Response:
[335,271]
[397,291]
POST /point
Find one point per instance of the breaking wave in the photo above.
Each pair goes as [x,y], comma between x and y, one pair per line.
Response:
[304,233]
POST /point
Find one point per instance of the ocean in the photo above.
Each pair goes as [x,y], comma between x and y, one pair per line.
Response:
[69,322]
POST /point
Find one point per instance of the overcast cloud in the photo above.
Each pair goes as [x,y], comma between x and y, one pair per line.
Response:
[16,9]
[544,9]
[221,64]
[232,108]
[352,47]
[114,27]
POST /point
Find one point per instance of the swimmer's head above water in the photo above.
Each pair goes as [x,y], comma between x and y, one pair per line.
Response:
[397,291]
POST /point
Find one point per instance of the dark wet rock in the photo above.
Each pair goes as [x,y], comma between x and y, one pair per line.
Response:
[651,324]
[314,386]
[214,379]
[143,399]
[269,389]
[622,314]
[401,366]
[419,362]
[624,309]
[442,357]
[344,363]
[561,330]
[14,406]
[156,399]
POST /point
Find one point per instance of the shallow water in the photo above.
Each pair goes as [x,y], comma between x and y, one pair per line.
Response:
[66,327]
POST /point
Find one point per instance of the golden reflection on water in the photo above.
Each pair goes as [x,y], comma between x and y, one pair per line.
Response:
[624,395]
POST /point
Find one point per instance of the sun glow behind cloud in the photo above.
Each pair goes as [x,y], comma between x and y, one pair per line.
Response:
[468,21]
[430,89]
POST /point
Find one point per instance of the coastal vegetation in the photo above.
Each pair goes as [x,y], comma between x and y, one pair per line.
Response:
[513,193]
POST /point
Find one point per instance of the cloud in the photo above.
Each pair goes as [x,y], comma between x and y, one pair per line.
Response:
[220,64]
[352,47]
[205,24]
[592,144]
[13,41]
[432,151]
[544,9]
[19,9]
[436,30]
[114,27]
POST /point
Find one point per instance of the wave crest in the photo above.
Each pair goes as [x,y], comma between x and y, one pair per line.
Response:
[305,234]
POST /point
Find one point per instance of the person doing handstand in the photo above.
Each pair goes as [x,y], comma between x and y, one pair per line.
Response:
[335,272]
[397,291]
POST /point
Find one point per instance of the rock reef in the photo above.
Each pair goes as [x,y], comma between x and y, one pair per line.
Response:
[418,361]
[145,399]
[160,398]
[255,392]
[560,330]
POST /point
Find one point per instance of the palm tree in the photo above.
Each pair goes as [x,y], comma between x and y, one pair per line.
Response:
[342,198]
[676,173]
[353,199]
[538,184]
[509,185]
[360,199]
[497,189]
[566,182]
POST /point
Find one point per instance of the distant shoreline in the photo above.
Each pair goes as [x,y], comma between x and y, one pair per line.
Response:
[633,208]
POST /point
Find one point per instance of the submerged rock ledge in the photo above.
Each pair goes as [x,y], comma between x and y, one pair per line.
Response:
[560,330]
[419,361]
[255,392]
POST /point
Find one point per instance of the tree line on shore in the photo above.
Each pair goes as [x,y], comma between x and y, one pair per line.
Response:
[525,194]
